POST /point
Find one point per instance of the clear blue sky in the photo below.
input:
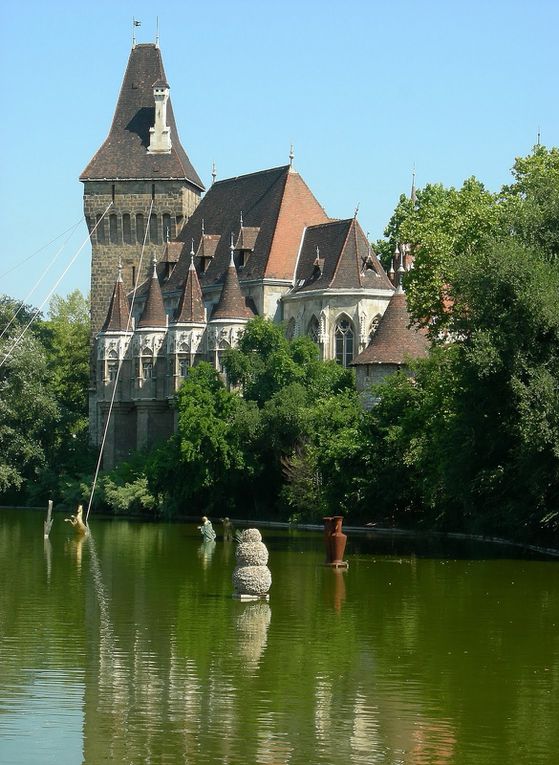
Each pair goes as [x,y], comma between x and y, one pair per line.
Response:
[364,90]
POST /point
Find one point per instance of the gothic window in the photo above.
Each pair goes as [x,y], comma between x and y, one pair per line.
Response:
[374,326]
[112,366]
[313,329]
[140,228]
[126,229]
[113,229]
[167,233]
[343,336]
[147,364]
[184,365]
[101,238]
[153,229]
[290,329]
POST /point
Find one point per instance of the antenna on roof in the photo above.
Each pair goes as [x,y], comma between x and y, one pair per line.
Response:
[192,248]
[135,23]
[154,262]
[241,218]
[232,250]
[413,195]
[214,174]
[539,137]
[356,210]
[157,31]
[291,156]
[203,229]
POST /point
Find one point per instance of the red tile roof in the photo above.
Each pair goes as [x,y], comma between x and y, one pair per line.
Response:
[394,341]
[191,307]
[232,304]
[153,314]
[117,315]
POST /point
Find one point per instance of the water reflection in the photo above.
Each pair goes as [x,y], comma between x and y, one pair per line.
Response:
[145,657]
[205,552]
[252,632]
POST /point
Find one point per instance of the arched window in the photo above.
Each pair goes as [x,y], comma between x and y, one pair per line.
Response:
[167,234]
[113,229]
[313,329]
[126,229]
[343,336]
[147,364]
[140,228]
[112,365]
[184,366]
[100,230]
[153,229]
[290,329]
[374,326]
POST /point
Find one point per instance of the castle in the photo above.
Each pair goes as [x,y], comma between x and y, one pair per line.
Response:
[196,267]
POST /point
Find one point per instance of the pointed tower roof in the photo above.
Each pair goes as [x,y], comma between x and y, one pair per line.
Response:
[117,315]
[123,154]
[191,307]
[231,303]
[395,341]
[153,314]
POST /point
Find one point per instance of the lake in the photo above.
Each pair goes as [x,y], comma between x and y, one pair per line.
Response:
[127,647]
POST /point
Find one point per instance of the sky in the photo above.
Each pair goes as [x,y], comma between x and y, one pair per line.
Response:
[364,90]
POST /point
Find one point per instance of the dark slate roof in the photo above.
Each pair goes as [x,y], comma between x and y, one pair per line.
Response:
[124,155]
[394,341]
[117,315]
[232,304]
[344,259]
[277,202]
[153,314]
[191,307]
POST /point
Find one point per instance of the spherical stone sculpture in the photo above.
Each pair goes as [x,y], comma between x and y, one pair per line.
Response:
[251,578]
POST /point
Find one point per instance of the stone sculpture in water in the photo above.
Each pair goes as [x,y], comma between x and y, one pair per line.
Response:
[251,578]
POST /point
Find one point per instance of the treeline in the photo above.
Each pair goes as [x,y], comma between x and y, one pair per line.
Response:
[469,442]
[44,376]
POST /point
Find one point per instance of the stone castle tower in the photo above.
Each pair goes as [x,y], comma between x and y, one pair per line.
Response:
[142,177]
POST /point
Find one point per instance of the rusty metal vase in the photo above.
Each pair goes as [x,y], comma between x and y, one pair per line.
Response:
[334,539]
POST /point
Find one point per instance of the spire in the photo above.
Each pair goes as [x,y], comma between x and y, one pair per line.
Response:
[400,272]
[191,306]
[117,315]
[192,251]
[231,303]
[291,157]
[153,314]
[214,173]
[413,195]
[232,252]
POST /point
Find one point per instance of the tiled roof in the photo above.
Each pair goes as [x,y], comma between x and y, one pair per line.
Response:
[275,201]
[153,314]
[191,307]
[207,245]
[394,341]
[345,259]
[117,315]
[247,238]
[232,304]
[123,154]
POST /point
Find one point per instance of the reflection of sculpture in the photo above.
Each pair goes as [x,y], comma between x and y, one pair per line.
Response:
[206,551]
[252,630]
[77,521]
[207,530]
[251,578]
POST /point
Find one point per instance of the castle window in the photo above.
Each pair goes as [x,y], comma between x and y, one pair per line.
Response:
[343,336]
[113,229]
[112,366]
[147,364]
[374,326]
[167,234]
[184,366]
[313,330]
[126,229]
[153,229]
[140,228]
[153,190]
[101,238]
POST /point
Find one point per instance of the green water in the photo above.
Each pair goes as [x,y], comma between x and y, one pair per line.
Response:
[128,648]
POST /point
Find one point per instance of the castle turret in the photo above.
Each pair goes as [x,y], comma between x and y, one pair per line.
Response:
[186,338]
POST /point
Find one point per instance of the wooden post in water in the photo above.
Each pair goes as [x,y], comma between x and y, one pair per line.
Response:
[47,525]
